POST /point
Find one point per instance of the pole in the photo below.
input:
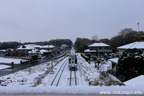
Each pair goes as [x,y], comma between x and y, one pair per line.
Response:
[138,26]
[138,32]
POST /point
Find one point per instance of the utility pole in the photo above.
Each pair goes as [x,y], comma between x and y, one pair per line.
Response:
[138,32]
[138,26]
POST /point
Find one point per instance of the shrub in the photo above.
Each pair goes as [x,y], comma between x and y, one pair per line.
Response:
[130,64]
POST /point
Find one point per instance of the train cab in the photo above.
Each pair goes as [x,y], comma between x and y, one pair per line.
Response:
[72,62]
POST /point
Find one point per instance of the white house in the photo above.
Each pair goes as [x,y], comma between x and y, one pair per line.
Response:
[134,45]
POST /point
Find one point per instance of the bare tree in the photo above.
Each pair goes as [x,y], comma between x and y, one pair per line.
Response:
[95,37]
[125,31]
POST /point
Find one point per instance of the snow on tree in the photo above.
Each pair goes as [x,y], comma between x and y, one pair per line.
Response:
[130,64]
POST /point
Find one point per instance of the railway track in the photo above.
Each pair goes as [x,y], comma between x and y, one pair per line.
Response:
[56,80]
[73,78]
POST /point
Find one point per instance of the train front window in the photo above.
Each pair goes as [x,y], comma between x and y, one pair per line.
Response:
[69,61]
[76,61]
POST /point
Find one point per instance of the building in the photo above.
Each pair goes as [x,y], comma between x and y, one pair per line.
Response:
[31,49]
[134,45]
[98,49]
[114,62]
[2,52]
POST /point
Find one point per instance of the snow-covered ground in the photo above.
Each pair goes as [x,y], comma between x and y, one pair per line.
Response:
[4,66]
[38,79]
[10,60]
[137,81]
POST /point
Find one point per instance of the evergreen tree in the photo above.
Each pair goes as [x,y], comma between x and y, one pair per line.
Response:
[130,64]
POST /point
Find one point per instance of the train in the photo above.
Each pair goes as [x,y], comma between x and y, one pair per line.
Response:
[72,60]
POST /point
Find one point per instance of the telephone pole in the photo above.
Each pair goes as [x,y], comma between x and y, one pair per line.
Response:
[138,26]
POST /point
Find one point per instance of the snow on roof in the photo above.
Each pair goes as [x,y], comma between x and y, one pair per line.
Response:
[115,60]
[64,45]
[139,80]
[10,60]
[137,45]
[2,50]
[43,51]
[33,51]
[47,46]
[88,50]
[98,44]
[27,47]
[33,46]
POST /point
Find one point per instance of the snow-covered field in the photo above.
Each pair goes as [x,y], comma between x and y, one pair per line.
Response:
[38,79]
[4,66]
[10,60]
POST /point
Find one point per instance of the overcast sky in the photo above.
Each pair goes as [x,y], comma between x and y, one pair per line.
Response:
[43,20]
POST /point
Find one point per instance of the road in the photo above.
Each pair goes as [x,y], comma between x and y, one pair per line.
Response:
[60,95]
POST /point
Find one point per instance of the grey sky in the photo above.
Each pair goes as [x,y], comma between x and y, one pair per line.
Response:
[43,20]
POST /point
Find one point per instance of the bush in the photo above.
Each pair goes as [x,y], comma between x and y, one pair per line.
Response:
[35,57]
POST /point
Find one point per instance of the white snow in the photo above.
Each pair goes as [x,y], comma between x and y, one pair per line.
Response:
[104,67]
[137,45]
[88,50]
[4,66]
[10,60]
[98,45]
[27,47]
[33,46]
[137,81]
[24,80]
[82,89]
[47,46]
[115,60]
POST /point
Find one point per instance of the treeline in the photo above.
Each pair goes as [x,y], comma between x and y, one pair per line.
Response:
[57,43]
[6,45]
[125,36]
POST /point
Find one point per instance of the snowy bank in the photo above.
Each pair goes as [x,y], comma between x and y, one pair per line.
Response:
[4,66]
[71,90]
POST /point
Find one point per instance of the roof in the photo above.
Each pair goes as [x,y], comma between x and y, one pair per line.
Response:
[33,46]
[64,45]
[88,50]
[115,60]
[2,50]
[98,45]
[33,51]
[26,47]
[137,45]
[45,51]
[47,46]
[72,56]
[135,81]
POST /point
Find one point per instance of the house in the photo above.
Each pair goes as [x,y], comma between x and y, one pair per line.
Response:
[47,50]
[134,45]
[31,49]
[64,47]
[24,50]
[98,49]
[2,52]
